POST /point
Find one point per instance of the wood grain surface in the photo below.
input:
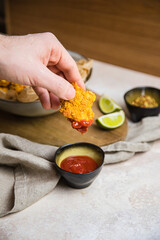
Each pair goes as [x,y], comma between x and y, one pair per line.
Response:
[124,33]
[56,130]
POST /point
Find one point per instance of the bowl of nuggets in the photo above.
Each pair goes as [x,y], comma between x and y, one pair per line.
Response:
[22,100]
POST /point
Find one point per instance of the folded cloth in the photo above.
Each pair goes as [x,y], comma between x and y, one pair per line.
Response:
[27,171]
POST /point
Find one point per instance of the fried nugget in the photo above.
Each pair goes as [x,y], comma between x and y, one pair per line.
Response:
[4,83]
[27,95]
[17,87]
[78,110]
[84,67]
[17,92]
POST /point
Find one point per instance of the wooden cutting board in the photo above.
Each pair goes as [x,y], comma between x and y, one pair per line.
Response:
[56,130]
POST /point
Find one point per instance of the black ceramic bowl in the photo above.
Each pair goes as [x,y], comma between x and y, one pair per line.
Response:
[137,113]
[77,180]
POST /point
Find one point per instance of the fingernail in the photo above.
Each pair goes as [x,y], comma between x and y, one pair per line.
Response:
[70,93]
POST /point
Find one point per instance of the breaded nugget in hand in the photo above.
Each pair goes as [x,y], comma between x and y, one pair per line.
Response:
[78,110]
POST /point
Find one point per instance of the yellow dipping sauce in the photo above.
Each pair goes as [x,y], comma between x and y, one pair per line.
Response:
[145,102]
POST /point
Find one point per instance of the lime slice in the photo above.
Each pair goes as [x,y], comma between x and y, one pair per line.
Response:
[108,105]
[112,120]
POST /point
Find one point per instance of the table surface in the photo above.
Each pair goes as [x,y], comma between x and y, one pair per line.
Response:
[123,202]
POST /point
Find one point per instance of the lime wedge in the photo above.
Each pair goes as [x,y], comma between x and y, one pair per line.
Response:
[112,120]
[107,104]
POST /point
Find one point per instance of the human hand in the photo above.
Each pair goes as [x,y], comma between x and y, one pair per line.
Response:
[39,60]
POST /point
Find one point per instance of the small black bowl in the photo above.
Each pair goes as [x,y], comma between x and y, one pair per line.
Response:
[137,113]
[77,180]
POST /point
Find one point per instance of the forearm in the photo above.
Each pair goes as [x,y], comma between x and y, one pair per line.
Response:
[3,49]
[4,41]
[4,54]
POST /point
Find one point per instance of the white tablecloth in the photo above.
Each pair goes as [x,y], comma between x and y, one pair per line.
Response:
[124,200]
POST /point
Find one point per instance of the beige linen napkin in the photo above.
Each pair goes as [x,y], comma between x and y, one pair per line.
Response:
[27,172]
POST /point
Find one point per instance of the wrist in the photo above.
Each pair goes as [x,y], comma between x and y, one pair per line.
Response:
[4,46]
[3,41]
[3,53]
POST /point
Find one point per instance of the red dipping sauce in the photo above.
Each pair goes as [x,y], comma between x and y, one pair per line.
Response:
[79,164]
[81,126]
